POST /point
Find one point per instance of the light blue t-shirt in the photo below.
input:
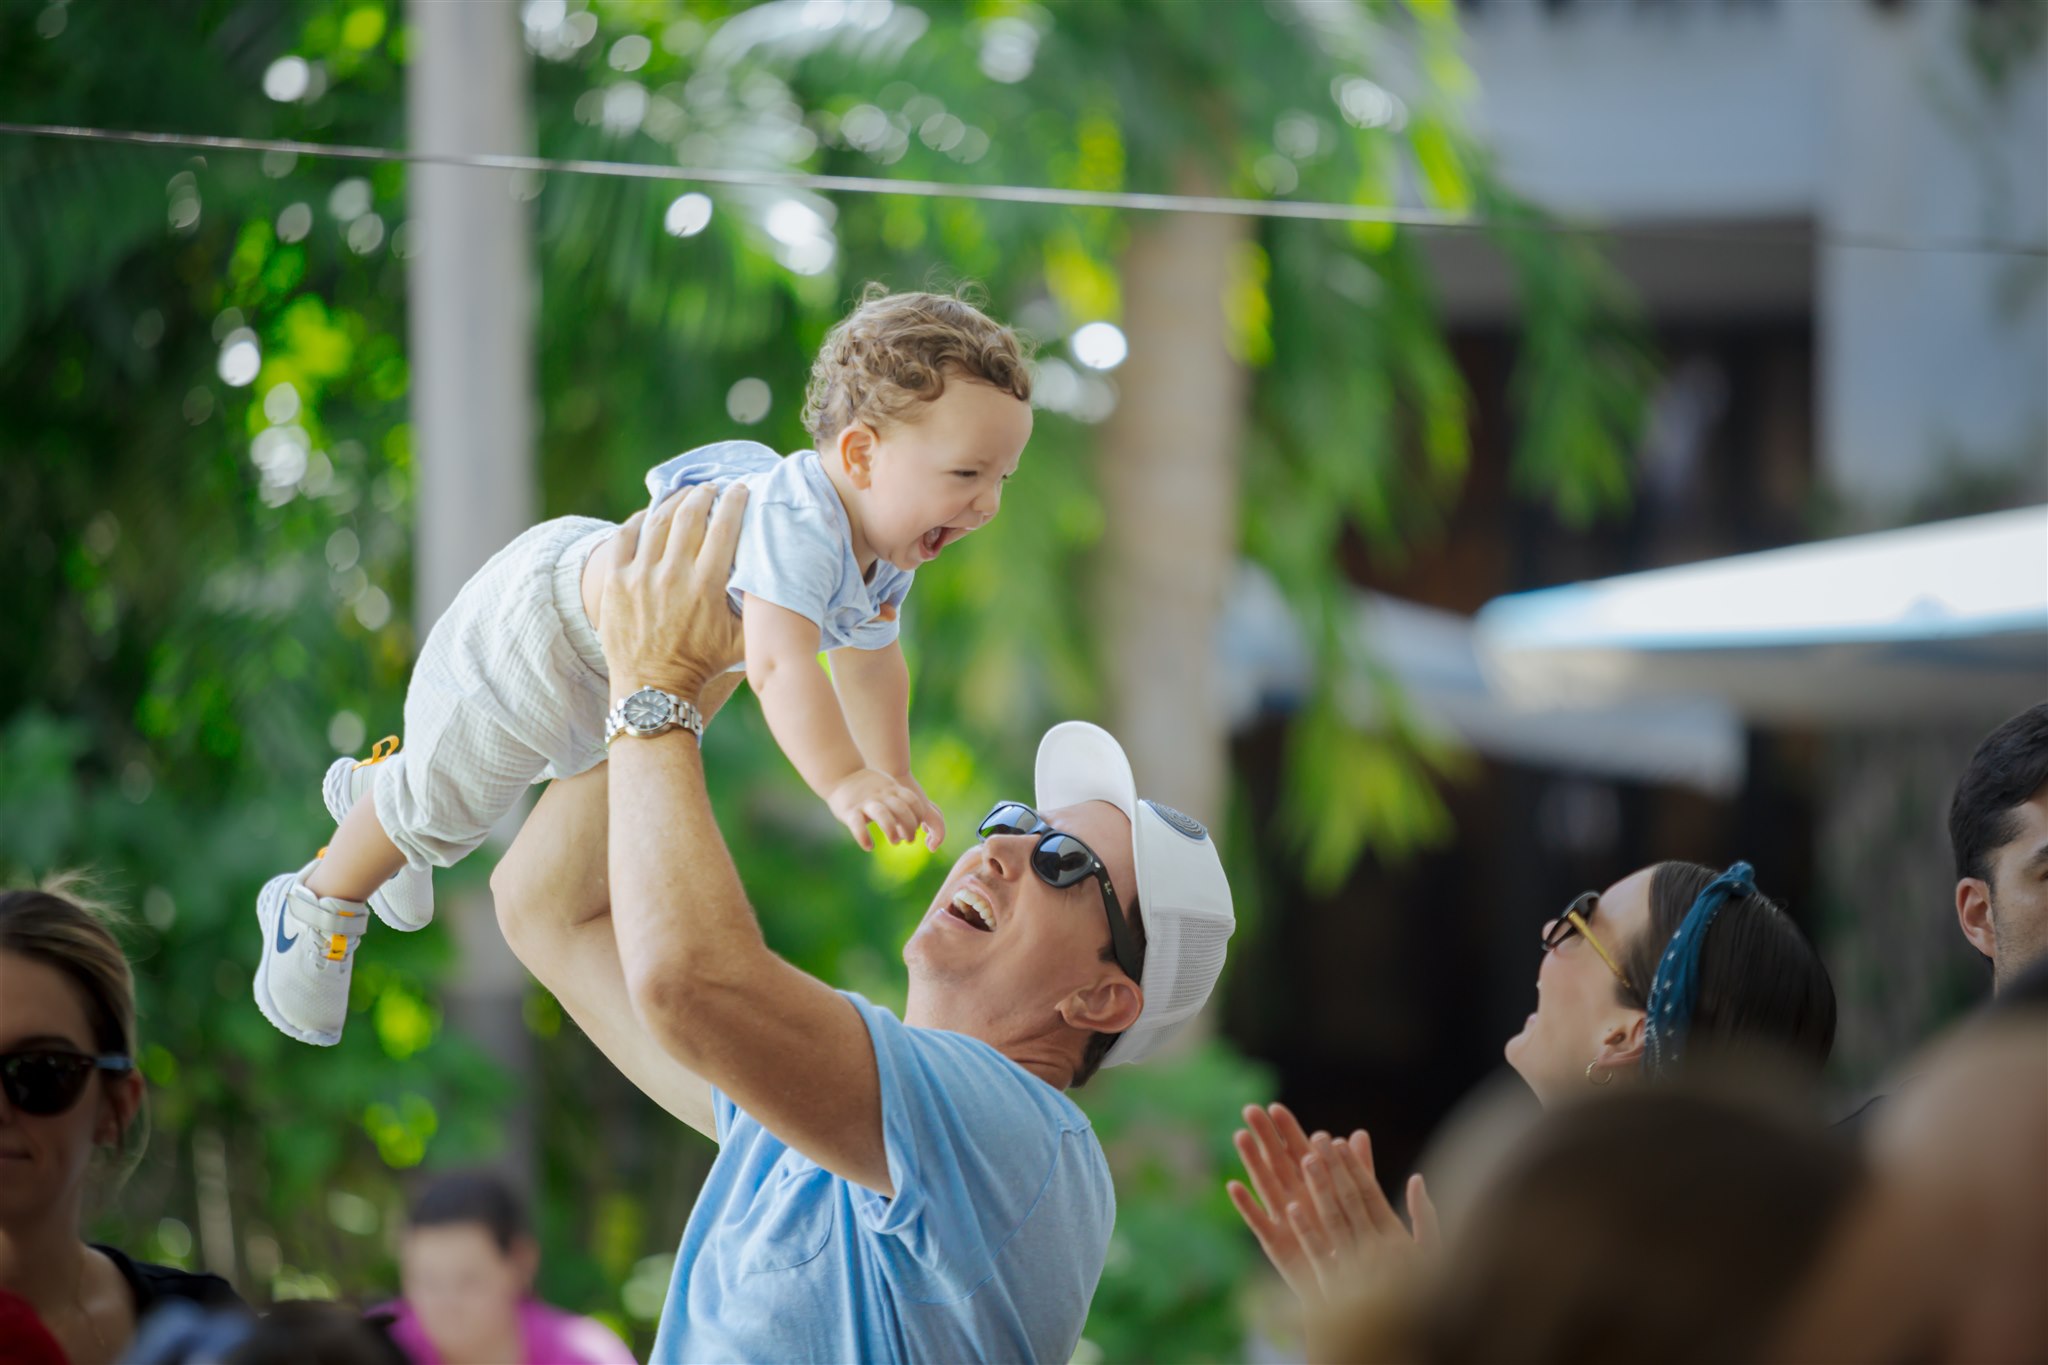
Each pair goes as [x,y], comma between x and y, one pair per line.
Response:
[989,1250]
[796,545]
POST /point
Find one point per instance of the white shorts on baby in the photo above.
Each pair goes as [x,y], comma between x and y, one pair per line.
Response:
[509,689]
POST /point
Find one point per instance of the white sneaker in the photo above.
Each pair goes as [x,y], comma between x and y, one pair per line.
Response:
[406,902]
[309,949]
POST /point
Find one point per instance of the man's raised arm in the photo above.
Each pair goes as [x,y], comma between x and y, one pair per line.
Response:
[555,910]
[784,1046]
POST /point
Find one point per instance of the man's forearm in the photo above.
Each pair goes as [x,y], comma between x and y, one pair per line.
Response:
[684,951]
[553,904]
[681,916]
[555,877]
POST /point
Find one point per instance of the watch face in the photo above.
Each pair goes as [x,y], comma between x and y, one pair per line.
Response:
[645,709]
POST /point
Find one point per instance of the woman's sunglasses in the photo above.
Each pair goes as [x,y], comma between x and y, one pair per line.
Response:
[1061,860]
[45,1083]
[1573,921]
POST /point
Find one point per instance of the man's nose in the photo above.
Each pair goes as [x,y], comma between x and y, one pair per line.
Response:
[1004,855]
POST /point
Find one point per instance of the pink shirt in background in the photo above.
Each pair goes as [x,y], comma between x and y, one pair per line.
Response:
[551,1336]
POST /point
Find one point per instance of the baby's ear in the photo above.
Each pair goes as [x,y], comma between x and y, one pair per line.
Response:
[855,445]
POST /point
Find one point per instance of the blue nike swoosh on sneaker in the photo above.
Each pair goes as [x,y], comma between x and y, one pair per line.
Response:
[284,945]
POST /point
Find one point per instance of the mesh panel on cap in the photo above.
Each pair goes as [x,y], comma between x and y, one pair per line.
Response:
[1200,950]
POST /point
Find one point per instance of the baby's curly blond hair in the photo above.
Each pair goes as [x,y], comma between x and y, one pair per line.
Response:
[896,350]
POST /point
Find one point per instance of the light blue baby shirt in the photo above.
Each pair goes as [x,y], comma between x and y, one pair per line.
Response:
[990,1249]
[796,545]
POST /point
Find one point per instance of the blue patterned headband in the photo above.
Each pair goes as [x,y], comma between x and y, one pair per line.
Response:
[1675,990]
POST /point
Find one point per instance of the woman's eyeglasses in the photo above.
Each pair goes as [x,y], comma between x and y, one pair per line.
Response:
[1061,860]
[44,1082]
[1573,921]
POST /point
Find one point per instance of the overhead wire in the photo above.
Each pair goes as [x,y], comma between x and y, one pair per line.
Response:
[1040,195]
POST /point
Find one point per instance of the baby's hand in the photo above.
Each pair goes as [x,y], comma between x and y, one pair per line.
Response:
[866,796]
[927,814]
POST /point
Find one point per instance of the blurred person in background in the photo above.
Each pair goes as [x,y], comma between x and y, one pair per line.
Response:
[1998,834]
[1998,830]
[1672,1224]
[467,1266]
[1948,1260]
[1670,961]
[70,1091]
[296,1332]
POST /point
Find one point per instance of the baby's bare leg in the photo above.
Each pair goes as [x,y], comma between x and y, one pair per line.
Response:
[360,859]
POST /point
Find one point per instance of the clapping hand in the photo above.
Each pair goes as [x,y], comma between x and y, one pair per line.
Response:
[1316,1206]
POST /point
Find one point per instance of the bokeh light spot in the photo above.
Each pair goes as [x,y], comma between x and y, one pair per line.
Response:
[1100,345]
[350,199]
[630,53]
[287,79]
[366,234]
[747,401]
[689,215]
[343,550]
[1367,105]
[281,404]
[373,609]
[294,222]
[345,733]
[1009,49]
[240,359]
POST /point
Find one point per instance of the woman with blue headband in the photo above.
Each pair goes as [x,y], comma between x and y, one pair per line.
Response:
[1670,962]
[1667,959]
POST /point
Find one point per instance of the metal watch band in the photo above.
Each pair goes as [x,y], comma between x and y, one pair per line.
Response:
[675,714]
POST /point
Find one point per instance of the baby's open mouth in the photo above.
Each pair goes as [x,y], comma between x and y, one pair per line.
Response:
[937,539]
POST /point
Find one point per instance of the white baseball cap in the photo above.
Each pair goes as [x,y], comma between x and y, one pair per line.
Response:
[1182,895]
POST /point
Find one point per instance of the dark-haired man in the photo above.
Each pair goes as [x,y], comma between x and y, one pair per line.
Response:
[1998,828]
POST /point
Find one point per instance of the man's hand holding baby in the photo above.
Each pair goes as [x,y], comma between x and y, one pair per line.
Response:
[665,621]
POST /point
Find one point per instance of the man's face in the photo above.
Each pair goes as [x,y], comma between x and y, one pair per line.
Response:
[1042,943]
[2018,891]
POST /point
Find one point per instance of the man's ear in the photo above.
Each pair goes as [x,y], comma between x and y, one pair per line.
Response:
[1109,1004]
[855,447]
[1973,913]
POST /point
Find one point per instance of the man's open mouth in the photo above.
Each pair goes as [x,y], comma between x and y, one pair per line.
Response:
[972,909]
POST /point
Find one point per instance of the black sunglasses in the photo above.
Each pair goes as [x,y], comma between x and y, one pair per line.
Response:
[1061,860]
[45,1083]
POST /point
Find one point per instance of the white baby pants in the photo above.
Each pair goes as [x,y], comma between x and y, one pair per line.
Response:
[510,689]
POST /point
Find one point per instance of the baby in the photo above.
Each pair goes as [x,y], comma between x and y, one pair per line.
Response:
[920,408]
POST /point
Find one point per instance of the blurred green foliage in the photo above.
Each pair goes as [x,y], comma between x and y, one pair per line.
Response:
[214,565]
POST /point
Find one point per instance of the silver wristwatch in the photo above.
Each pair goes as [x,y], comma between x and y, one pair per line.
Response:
[649,712]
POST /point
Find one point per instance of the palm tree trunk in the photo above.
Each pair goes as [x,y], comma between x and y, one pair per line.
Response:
[471,302]
[1171,462]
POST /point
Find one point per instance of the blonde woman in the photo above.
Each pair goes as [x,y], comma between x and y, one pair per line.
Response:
[69,1090]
